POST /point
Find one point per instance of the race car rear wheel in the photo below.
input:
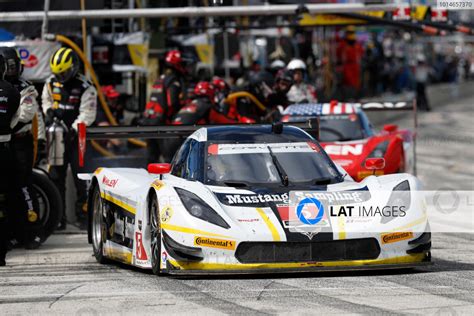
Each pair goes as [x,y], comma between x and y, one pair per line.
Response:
[155,226]
[99,228]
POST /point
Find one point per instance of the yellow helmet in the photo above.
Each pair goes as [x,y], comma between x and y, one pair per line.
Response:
[64,64]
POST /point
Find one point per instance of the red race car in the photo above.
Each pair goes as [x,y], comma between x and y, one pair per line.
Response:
[349,138]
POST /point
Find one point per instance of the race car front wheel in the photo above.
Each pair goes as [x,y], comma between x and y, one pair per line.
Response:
[98,226]
[155,226]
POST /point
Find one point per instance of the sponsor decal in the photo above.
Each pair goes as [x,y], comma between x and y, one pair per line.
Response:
[214,243]
[248,220]
[257,200]
[336,198]
[109,182]
[166,214]
[344,150]
[29,60]
[139,225]
[3,99]
[157,184]
[396,237]
[141,253]
[164,259]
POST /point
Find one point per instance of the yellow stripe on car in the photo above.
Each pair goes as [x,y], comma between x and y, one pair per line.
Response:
[118,202]
[268,222]
[409,225]
[416,258]
[119,255]
[188,230]
[341,224]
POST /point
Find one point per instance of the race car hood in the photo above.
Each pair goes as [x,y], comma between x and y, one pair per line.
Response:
[255,209]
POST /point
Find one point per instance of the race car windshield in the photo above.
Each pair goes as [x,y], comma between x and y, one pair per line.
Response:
[245,164]
[335,128]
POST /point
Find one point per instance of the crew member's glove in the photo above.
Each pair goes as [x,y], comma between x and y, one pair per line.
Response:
[51,114]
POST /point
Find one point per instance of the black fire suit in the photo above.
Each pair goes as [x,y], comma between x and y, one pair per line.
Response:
[73,102]
[9,103]
[26,217]
[166,99]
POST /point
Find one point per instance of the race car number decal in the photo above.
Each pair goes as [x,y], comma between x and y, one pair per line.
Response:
[214,243]
[396,237]
[343,150]
[141,253]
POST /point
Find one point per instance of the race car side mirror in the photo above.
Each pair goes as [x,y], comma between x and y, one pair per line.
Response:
[159,168]
[374,163]
[390,128]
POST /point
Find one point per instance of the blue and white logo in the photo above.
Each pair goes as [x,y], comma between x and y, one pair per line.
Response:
[307,208]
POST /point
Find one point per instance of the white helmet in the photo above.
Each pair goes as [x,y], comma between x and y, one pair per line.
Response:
[296,64]
[420,58]
[277,64]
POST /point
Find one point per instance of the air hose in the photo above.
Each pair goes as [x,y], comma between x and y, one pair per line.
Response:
[243,94]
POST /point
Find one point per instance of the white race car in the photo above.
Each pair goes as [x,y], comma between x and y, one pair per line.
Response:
[222,206]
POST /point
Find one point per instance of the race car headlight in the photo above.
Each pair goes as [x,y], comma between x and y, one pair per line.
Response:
[379,151]
[399,201]
[198,208]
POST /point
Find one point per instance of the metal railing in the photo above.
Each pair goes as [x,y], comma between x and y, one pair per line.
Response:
[191,12]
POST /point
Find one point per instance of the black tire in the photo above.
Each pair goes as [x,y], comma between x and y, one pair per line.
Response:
[98,226]
[48,202]
[155,229]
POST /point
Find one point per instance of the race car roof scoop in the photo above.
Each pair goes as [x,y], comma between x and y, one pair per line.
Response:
[277,128]
[179,251]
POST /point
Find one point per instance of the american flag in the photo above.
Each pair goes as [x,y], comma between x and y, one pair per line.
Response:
[319,109]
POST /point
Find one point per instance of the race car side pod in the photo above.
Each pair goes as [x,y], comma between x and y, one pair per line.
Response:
[402,24]
[164,132]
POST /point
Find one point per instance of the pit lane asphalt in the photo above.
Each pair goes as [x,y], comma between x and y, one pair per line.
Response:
[62,277]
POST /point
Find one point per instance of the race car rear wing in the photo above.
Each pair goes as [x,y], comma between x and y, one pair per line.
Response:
[387,106]
[166,132]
